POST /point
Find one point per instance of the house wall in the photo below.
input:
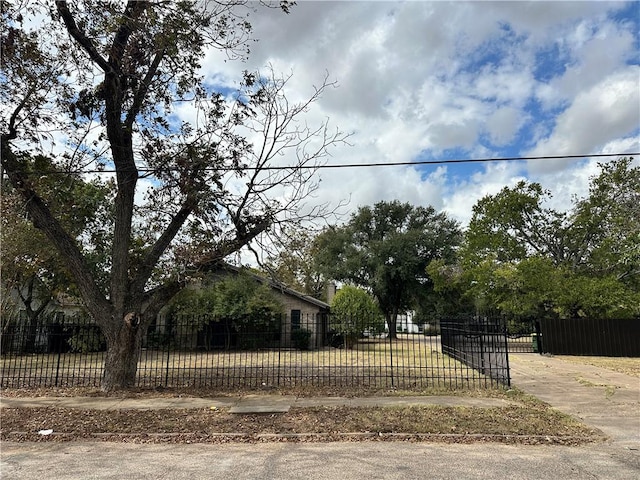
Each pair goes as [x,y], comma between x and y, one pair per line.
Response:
[310,319]
[404,324]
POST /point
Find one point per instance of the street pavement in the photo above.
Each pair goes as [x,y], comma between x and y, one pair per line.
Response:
[600,398]
[320,461]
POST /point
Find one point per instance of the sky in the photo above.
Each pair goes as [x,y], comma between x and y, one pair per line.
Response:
[439,81]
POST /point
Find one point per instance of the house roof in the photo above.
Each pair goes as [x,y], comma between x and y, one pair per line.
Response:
[276,285]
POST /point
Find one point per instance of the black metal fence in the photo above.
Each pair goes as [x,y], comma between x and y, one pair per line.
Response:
[523,335]
[313,350]
[480,343]
[589,336]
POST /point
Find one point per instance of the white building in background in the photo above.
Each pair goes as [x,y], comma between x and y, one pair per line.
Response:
[404,324]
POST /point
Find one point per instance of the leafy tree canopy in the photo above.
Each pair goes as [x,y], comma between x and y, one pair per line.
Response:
[524,259]
[29,265]
[295,263]
[235,298]
[386,249]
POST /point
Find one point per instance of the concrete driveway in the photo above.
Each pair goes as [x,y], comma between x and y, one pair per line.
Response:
[599,397]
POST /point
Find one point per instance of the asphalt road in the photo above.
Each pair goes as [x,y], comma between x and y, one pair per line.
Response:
[335,461]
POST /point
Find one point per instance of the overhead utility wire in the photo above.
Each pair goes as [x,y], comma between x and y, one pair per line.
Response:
[467,160]
[360,165]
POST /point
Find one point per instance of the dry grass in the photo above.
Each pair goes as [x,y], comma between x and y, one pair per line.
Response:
[626,365]
[526,422]
[411,363]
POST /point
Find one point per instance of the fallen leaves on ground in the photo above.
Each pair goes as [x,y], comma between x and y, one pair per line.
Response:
[512,424]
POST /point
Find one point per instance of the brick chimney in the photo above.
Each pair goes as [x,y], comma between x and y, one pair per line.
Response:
[331,291]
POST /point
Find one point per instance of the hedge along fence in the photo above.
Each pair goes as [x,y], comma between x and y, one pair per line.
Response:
[204,352]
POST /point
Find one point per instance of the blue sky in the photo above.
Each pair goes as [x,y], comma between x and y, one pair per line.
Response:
[437,80]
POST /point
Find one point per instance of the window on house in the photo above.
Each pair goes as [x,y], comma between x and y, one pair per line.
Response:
[295,319]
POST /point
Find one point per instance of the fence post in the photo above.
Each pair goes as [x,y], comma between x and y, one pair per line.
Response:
[59,358]
[505,332]
[166,374]
[483,326]
[391,356]
[538,336]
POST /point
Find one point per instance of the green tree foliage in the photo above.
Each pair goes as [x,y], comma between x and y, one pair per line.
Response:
[447,297]
[102,85]
[31,269]
[354,312]
[246,301]
[386,250]
[242,303]
[607,222]
[526,260]
[295,263]
[83,208]
[513,225]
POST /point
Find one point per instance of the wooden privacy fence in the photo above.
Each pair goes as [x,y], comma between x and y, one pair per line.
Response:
[590,336]
[204,352]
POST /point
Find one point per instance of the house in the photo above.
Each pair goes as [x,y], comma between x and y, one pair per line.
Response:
[404,324]
[302,313]
[31,325]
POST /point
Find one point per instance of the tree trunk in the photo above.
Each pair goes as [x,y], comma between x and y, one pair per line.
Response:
[123,353]
[32,315]
[392,320]
[32,333]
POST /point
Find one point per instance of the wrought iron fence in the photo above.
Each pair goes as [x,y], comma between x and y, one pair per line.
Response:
[523,335]
[306,350]
[480,343]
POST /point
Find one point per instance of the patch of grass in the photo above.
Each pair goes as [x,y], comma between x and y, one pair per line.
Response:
[237,391]
[609,389]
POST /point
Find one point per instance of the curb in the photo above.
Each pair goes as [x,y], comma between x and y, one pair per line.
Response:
[306,437]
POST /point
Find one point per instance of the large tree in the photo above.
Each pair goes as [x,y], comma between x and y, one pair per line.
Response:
[523,258]
[386,249]
[607,223]
[597,234]
[514,224]
[104,86]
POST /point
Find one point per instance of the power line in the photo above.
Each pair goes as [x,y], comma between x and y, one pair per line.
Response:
[355,165]
[471,160]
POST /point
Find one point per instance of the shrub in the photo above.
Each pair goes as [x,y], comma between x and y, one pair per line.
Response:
[300,338]
[85,336]
[354,312]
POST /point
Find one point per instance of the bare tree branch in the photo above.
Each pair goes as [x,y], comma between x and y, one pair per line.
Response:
[80,37]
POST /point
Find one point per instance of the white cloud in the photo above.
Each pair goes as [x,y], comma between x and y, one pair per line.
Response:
[425,78]
[503,124]
[609,110]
